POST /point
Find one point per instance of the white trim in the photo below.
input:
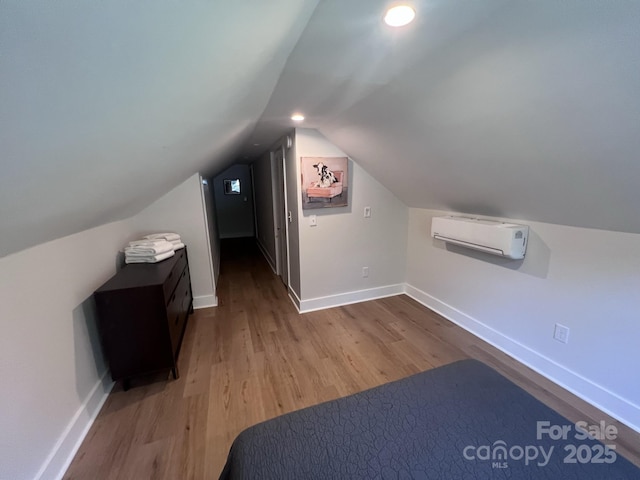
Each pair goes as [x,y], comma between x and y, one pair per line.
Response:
[295,299]
[275,213]
[287,221]
[205,214]
[358,296]
[266,255]
[69,442]
[598,396]
[205,301]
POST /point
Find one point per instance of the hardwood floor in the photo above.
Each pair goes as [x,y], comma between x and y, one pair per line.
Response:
[254,357]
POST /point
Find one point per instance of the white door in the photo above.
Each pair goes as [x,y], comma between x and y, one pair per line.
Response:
[279,214]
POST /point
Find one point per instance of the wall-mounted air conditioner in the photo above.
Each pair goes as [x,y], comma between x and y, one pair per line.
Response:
[498,238]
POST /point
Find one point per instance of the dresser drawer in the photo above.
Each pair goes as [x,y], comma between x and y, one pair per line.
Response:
[176,321]
[174,302]
[174,277]
[176,311]
[187,300]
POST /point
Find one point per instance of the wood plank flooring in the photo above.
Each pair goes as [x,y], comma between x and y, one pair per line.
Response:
[254,357]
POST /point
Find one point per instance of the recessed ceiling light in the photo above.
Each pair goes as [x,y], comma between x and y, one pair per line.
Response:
[297,117]
[256,144]
[399,16]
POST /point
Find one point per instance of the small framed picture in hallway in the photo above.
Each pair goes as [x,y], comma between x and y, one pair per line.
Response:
[324,182]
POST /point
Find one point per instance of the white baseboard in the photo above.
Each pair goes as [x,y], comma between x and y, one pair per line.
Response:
[205,301]
[341,299]
[270,260]
[56,464]
[598,396]
[295,299]
[69,442]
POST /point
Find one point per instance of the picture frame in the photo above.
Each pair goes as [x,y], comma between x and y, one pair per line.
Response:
[325,182]
[232,186]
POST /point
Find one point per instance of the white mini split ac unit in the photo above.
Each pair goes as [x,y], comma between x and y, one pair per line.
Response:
[498,238]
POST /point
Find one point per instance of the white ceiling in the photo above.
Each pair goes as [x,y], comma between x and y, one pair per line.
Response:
[517,109]
[106,105]
[511,108]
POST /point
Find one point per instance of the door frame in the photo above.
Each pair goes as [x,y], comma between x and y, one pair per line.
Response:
[281,226]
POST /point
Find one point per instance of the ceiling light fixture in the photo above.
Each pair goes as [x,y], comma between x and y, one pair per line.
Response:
[297,117]
[399,16]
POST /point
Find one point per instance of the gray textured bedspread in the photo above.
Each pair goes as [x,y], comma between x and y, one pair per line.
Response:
[459,421]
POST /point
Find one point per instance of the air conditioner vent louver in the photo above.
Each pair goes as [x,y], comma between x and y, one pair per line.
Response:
[497,238]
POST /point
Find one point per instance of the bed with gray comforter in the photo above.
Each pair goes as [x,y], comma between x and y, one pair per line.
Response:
[459,421]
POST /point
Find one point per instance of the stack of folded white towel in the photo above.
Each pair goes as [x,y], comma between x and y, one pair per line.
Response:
[148,251]
[174,238]
[153,248]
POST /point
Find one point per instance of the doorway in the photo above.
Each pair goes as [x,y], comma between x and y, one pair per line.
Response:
[233,191]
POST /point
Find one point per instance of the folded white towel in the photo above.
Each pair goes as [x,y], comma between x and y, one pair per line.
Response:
[146,243]
[149,258]
[178,246]
[147,250]
[167,236]
[159,247]
[141,255]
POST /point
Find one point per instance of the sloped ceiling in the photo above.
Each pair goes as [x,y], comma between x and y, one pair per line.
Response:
[520,109]
[515,108]
[106,105]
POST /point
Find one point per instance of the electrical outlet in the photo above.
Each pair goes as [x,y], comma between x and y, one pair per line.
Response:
[367,212]
[561,333]
[365,272]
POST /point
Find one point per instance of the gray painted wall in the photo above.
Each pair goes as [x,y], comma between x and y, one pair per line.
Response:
[582,278]
[51,353]
[52,364]
[333,253]
[182,211]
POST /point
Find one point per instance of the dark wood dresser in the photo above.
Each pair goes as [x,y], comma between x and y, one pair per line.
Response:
[142,316]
